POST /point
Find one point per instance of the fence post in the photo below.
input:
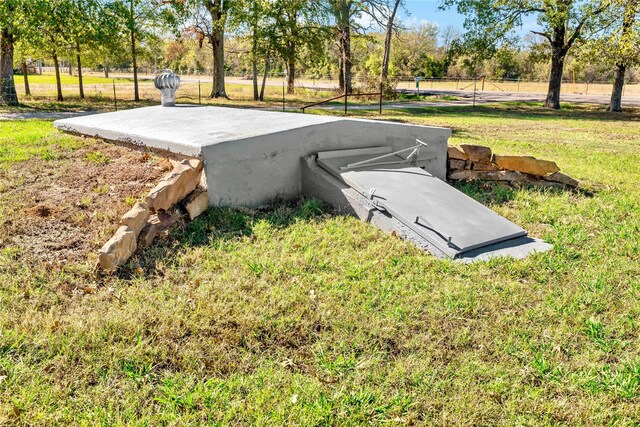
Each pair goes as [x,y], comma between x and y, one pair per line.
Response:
[115,99]
[474,94]
[380,104]
[199,94]
[345,103]
[283,96]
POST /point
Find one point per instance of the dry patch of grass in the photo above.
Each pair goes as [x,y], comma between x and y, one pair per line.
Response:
[61,196]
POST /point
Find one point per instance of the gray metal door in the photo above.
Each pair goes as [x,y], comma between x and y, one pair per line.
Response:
[446,217]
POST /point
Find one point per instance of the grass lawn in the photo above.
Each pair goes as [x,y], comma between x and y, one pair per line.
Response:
[296,316]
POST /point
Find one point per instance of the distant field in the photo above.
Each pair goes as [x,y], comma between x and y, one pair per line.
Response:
[296,315]
[309,90]
[66,79]
[514,86]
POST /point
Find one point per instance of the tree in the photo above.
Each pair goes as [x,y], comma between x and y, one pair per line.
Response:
[47,17]
[107,46]
[625,44]
[22,54]
[387,41]
[255,23]
[294,27]
[208,23]
[81,30]
[138,19]
[9,28]
[348,19]
[344,12]
[563,23]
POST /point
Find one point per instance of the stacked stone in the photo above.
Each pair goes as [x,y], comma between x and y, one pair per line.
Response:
[468,162]
[140,226]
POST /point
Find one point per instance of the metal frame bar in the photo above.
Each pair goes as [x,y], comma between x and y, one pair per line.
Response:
[412,157]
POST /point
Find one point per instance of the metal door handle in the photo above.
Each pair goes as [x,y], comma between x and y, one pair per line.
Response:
[428,226]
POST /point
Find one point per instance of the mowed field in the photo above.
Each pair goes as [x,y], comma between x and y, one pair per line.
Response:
[295,315]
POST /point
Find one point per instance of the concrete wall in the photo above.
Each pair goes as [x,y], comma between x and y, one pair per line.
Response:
[253,171]
[252,156]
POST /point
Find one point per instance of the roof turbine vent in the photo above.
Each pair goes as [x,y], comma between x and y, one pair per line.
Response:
[167,82]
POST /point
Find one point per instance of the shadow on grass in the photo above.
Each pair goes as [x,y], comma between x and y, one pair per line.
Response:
[498,193]
[221,225]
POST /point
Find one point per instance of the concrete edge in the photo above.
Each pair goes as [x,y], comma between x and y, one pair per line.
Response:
[128,140]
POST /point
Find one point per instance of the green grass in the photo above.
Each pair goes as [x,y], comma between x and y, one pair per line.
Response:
[295,316]
[22,140]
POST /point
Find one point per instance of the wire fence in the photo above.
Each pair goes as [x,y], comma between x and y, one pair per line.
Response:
[513,85]
[196,89]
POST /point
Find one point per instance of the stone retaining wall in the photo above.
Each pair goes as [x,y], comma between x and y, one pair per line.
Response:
[145,220]
[468,162]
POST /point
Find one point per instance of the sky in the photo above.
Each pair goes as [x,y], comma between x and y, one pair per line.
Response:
[423,11]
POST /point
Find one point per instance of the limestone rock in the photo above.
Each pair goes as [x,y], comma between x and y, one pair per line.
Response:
[163,222]
[477,153]
[563,179]
[196,203]
[483,167]
[175,186]
[468,175]
[455,164]
[456,153]
[147,235]
[118,249]
[526,164]
[136,218]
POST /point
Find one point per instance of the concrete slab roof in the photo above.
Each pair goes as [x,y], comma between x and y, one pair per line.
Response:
[185,128]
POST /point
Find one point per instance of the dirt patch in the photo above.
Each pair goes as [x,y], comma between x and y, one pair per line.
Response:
[65,209]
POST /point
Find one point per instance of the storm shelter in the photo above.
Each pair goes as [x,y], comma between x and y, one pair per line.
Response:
[390,174]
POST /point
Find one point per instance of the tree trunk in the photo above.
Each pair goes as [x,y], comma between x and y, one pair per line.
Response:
[342,15]
[340,70]
[70,68]
[616,94]
[254,50]
[384,72]
[264,78]
[254,64]
[348,88]
[25,75]
[254,76]
[218,90]
[291,73]
[631,9]
[555,78]
[106,71]
[8,93]
[217,45]
[134,57]
[79,62]
[345,53]
[56,65]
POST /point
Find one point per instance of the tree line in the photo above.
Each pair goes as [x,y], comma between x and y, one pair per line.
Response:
[290,36]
